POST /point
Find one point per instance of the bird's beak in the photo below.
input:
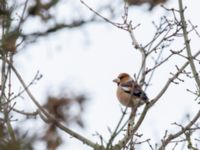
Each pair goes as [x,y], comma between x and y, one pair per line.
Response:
[117,80]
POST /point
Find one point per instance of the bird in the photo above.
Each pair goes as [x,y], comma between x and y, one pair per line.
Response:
[129,93]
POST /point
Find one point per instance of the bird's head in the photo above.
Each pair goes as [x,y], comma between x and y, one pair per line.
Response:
[122,78]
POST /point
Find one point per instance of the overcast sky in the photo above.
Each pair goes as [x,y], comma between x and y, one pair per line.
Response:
[88,59]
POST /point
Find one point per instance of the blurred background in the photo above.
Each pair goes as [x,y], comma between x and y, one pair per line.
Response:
[70,56]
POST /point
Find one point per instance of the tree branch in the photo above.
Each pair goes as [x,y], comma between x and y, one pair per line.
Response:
[187,44]
[121,143]
[51,118]
[177,134]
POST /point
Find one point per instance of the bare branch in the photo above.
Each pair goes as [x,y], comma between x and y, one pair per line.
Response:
[121,143]
[51,118]
[187,44]
[170,137]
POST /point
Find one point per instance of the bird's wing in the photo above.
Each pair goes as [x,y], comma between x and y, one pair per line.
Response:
[137,91]
[133,88]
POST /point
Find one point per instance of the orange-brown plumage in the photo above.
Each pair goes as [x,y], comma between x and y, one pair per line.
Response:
[129,93]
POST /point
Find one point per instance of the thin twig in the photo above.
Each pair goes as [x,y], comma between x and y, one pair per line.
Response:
[115,133]
[104,18]
[187,44]
[35,113]
[121,143]
[183,130]
[51,118]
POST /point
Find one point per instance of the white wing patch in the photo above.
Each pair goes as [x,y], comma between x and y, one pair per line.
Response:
[127,89]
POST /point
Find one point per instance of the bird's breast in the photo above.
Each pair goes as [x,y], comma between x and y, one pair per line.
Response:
[126,99]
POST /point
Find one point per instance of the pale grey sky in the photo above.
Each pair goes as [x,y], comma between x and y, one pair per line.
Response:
[89,59]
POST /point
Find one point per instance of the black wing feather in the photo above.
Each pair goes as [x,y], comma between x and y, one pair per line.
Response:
[137,91]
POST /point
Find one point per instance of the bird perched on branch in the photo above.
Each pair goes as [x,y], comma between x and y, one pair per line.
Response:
[129,93]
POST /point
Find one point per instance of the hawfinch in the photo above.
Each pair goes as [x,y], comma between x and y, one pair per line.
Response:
[129,93]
